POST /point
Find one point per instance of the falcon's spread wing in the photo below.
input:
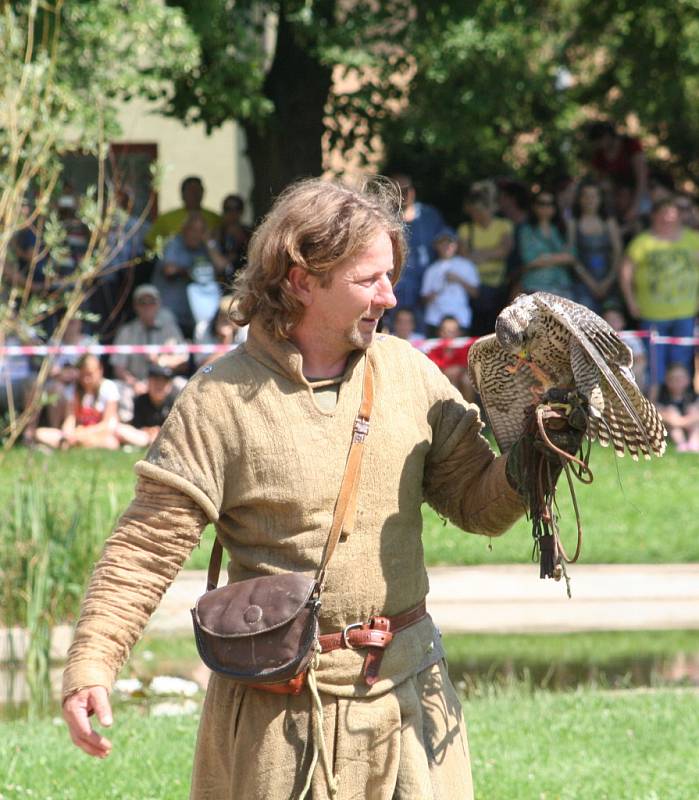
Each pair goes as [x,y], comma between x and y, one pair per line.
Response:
[601,363]
[505,389]
[598,336]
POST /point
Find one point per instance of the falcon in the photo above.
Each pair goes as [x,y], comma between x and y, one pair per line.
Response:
[544,342]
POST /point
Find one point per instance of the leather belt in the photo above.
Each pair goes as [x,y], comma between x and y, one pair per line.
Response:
[375,634]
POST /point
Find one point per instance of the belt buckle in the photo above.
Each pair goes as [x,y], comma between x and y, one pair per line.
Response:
[346,630]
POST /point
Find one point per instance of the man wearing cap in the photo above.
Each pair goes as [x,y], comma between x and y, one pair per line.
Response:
[257,443]
[150,409]
[152,325]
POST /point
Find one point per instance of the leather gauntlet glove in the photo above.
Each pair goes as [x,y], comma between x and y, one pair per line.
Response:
[563,417]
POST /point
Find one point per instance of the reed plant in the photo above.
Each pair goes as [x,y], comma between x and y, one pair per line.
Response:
[49,540]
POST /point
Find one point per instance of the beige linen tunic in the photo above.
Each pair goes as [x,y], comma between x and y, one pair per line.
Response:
[249,445]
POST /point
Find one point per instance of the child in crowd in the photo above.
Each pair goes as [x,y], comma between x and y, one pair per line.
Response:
[679,406]
[448,284]
[452,357]
[150,409]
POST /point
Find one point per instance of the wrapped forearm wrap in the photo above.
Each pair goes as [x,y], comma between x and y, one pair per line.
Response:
[469,487]
[150,543]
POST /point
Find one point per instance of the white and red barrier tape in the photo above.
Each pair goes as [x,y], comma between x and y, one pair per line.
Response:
[426,345]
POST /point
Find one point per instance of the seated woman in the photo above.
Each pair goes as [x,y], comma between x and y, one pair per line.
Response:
[91,411]
[679,406]
[546,260]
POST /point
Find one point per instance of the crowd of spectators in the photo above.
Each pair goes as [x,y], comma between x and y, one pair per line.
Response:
[161,284]
[617,238]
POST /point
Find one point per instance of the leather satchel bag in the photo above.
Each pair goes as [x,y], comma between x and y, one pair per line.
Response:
[264,631]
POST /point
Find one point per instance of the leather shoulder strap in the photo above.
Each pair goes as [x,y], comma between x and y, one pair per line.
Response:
[348,487]
[350,480]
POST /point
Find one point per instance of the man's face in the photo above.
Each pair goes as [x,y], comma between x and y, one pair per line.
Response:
[192,195]
[232,211]
[194,233]
[147,310]
[346,312]
[666,215]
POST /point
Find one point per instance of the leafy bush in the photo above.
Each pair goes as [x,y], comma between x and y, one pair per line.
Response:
[47,549]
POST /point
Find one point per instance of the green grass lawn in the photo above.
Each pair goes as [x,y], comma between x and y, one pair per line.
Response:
[586,745]
[646,512]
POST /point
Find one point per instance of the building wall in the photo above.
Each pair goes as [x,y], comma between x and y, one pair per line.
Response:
[219,158]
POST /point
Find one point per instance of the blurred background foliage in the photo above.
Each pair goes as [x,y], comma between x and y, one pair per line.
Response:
[456,90]
[450,91]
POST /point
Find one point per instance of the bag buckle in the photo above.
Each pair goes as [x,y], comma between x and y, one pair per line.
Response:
[361,428]
[345,639]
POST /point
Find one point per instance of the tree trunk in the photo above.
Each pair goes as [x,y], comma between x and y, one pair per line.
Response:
[288,145]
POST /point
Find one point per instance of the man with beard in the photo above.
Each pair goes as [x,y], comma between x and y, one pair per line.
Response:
[257,444]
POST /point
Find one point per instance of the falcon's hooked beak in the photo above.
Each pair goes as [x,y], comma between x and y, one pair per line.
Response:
[524,354]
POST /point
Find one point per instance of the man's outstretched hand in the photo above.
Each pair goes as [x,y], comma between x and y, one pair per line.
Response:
[77,710]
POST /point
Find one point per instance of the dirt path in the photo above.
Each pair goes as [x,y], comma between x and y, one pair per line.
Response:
[500,599]
[513,599]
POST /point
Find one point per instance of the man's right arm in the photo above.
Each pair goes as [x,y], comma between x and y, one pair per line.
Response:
[151,542]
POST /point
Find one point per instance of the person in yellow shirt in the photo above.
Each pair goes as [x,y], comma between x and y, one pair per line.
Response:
[660,281]
[171,222]
[486,240]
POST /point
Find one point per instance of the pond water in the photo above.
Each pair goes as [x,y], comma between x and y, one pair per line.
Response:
[680,669]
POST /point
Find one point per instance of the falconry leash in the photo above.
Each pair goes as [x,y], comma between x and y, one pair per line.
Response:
[553,441]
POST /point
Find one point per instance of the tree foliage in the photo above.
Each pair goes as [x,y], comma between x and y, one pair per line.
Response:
[509,86]
[458,89]
[485,98]
[292,72]
[640,59]
[64,68]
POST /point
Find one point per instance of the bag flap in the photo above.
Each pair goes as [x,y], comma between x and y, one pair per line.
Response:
[253,606]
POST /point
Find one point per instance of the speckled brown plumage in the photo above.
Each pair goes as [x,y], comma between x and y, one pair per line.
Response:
[542,341]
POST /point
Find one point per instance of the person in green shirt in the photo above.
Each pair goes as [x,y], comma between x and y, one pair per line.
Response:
[659,278]
[171,222]
[486,240]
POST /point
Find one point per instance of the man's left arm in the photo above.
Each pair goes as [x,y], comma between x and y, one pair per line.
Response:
[464,480]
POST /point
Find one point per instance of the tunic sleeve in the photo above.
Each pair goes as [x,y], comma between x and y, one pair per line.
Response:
[151,542]
[464,480]
[196,445]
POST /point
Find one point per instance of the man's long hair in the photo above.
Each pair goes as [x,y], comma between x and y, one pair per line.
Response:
[317,225]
